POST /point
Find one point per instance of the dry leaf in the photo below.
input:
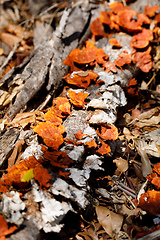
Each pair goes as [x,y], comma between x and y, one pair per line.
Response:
[23,119]
[146,164]
[1,51]
[121,164]
[109,220]
[9,39]
[148,118]
[16,152]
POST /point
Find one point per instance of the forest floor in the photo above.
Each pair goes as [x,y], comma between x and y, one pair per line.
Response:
[79,120]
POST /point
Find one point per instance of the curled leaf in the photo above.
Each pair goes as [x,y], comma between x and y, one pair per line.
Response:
[146,164]
[121,164]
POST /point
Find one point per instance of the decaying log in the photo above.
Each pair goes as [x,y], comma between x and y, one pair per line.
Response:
[48,56]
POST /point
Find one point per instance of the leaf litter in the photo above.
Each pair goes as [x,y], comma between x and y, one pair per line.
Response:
[90,152]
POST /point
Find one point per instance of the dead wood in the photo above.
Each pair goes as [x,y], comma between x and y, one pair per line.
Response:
[49,56]
[8,140]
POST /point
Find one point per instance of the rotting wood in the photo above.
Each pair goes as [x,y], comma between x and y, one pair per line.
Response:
[51,52]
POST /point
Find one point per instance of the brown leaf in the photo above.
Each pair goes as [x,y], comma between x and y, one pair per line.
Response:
[17,150]
[121,164]
[148,118]
[9,39]
[23,119]
[109,220]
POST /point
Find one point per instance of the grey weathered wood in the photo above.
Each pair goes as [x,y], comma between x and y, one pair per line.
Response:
[34,76]
[7,143]
[71,29]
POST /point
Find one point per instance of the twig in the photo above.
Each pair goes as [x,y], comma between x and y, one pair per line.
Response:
[46,101]
[129,200]
[10,55]
[152,78]
[127,191]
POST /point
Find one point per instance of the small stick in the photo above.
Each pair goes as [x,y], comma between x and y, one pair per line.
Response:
[10,55]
